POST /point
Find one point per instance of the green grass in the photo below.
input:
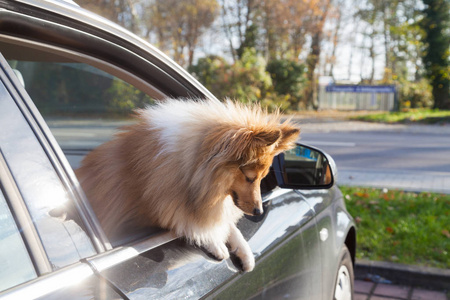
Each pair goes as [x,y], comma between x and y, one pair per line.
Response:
[424,116]
[401,227]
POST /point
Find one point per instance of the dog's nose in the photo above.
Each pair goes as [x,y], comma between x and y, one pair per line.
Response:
[257,212]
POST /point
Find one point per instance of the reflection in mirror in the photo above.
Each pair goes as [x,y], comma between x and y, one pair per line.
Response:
[305,166]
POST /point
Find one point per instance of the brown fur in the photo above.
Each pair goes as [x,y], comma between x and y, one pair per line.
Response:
[137,180]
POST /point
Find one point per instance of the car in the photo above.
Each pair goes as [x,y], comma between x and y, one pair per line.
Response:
[67,79]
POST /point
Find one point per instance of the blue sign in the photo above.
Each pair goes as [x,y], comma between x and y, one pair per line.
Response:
[361,88]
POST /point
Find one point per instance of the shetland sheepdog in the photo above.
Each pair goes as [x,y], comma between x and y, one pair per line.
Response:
[193,167]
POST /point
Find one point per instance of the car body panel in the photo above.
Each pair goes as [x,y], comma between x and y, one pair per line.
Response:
[161,272]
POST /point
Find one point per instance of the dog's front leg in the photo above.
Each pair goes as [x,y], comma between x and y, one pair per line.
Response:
[239,246]
[217,249]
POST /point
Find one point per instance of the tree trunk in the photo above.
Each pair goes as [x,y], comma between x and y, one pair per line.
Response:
[311,63]
[335,42]
[313,57]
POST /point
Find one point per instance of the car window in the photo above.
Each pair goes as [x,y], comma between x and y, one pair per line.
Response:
[16,265]
[62,234]
[82,105]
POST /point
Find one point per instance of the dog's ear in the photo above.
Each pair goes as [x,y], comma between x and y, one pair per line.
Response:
[245,143]
[265,138]
[289,135]
[242,144]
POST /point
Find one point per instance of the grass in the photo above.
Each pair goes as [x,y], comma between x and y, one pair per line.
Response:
[401,227]
[423,116]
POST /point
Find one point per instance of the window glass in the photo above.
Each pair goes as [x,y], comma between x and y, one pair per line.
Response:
[82,105]
[62,234]
[16,266]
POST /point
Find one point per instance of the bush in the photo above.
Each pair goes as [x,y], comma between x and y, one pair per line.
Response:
[246,80]
[277,85]
[288,79]
[415,94]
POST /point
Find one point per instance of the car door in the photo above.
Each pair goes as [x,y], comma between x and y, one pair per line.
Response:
[284,241]
[152,264]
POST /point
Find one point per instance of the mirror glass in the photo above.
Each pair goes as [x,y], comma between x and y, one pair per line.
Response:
[305,166]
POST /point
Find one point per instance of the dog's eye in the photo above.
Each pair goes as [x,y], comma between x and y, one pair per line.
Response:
[250,180]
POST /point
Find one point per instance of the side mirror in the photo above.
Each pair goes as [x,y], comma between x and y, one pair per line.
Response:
[304,167]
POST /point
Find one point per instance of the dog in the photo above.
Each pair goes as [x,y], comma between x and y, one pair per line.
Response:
[193,167]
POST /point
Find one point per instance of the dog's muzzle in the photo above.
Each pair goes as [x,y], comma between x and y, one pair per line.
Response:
[257,212]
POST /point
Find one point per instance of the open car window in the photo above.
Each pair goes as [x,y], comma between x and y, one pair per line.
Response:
[82,104]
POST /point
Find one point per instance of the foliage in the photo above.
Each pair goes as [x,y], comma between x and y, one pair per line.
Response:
[250,40]
[403,227]
[55,89]
[288,79]
[118,11]
[413,36]
[123,97]
[277,85]
[415,94]
[175,26]
[250,81]
[436,24]
[245,80]
[428,116]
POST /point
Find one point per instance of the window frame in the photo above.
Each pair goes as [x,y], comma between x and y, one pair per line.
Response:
[23,220]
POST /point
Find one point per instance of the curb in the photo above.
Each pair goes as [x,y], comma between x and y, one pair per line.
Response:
[432,278]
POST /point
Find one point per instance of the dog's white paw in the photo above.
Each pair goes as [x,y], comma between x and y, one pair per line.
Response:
[241,250]
[247,260]
[218,250]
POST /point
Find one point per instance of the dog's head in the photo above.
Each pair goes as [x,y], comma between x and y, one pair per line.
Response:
[235,154]
[253,149]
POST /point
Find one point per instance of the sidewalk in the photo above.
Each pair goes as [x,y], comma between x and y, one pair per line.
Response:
[383,280]
[365,290]
[408,181]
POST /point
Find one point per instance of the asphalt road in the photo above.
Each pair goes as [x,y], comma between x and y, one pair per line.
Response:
[385,149]
[406,157]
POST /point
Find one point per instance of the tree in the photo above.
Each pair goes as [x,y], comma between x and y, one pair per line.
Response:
[178,25]
[436,24]
[119,11]
[239,23]
[288,78]
[245,80]
[313,56]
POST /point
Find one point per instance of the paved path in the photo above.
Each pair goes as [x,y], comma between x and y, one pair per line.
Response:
[365,290]
[409,181]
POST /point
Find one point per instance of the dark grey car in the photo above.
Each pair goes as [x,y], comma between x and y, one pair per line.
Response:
[64,73]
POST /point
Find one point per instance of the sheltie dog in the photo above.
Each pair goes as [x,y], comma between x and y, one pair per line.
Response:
[193,167]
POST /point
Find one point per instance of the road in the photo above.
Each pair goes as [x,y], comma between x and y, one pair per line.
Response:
[397,156]
[386,150]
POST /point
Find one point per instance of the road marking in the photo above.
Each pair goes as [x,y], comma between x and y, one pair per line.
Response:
[324,143]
